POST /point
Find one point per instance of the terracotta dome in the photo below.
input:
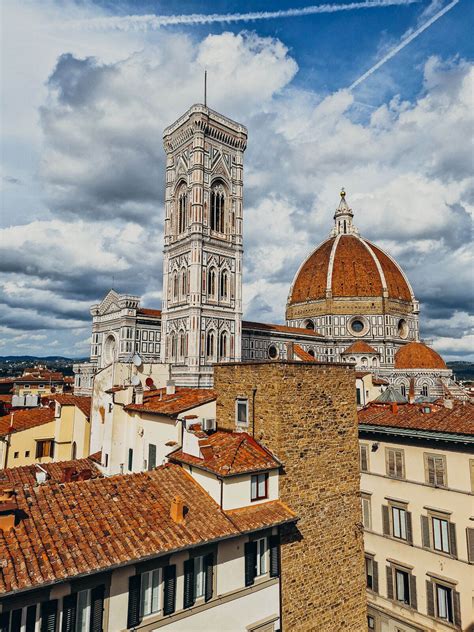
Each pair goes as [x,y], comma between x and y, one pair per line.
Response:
[349,266]
[416,355]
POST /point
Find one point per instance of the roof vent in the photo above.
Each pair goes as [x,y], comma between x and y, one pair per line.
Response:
[177,510]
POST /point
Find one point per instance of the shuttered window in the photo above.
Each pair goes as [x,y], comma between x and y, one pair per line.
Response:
[364,457]
[150,582]
[169,589]
[371,574]
[440,535]
[49,613]
[435,470]
[395,463]
[401,523]
[443,602]
[189,584]
[69,613]
[401,586]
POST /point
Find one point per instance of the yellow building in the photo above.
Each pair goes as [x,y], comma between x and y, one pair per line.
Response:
[417,486]
[58,432]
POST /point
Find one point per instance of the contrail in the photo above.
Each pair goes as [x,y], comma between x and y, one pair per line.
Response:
[154,22]
[402,44]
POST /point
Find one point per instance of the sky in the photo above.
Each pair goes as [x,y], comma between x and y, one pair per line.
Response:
[375,96]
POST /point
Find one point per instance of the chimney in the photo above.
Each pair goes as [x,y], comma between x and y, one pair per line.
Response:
[170,387]
[394,407]
[138,395]
[177,510]
[8,507]
[411,392]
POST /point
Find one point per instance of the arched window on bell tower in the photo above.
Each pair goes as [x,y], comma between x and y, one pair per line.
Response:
[211,283]
[182,200]
[224,289]
[210,344]
[217,208]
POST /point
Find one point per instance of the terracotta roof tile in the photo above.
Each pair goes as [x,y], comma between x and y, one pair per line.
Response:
[83,403]
[266,514]
[296,331]
[302,354]
[24,419]
[26,474]
[230,453]
[456,420]
[360,346]
[145,311]
[416,355]
[89,526]
[183,399]
[310,284]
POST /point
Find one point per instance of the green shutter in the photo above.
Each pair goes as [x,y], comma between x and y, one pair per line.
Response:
[209,571]
[69,613]
[133,616]
[189,597]
[250,562]
[169,600]
[409,527]
[49,613]
[97,609]
[470,544]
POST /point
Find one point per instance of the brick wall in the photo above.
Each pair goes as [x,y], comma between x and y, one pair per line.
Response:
[306,414]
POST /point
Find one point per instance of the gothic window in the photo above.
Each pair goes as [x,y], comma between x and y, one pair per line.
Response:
[217,208]
[173,345]
[425,390]
[182,345]
[182,208]
[403,390]
[223,344]
[175,287]
[183,284]
[211,283]
[224,285]
[210,344]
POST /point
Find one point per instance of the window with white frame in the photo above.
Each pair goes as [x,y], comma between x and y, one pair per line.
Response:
[199,577]
[150,592]
[241,412]
[83,614]
[259,486]
[366,511]
[261,558]
[440,535]
[399,522]
[402,586]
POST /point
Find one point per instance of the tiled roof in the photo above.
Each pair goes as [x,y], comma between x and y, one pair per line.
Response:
[26,474]
[83,403]
[296,331]
[230,453]
[264,514]
[144,311]
[456,420]
[24,419]
[416,355]
[89,526]
[96,457]
[354,272]
[302,354]
[183,399]
[391,395]
[41,376]
[360,346]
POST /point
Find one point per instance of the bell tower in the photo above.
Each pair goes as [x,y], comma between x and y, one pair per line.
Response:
[202,263]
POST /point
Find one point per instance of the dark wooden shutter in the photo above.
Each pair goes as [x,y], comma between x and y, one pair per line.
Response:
[375,576]
[69,613]
[413,598]
[453,548]
[391,463]
[431,470]
[364,462]
[97,608]
[49,613]
[425,531]
[169,576]
[4,621]
[389,582]
[15,623]
[274,545]
[457,608]
[470,544]
[189,597]
[385,520]
[250,562]
[30,619]
[409,527]
[209,574]
[430,606]
[133,616]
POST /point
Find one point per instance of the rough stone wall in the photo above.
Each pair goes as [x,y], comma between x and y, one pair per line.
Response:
[306,414]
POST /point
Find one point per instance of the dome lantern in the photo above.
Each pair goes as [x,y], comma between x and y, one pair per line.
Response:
[343,218]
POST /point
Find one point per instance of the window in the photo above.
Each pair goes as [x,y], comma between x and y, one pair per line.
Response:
[402,586]
[261,558]
[211,283]
[223,345]
[309,325]
[395,463]
[198,579]
[399,522]
[182,219]
[366,511]
[16,455]
[130,459]
[363,454]
[371,573]
[425,390]
[210,344]
[44,448]
[435,470]
[150,592]
[175,290]
[27,453]
[83,610]
[443,602]
[217,208]
[357,326]
[241,412]
[182,345]
[183,289]
[370,622]
[259,486]
[199,576]
[224,289]
[151,456]
[441,535]
[272,352]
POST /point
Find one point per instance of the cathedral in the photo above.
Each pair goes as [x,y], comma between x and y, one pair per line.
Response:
[349,301]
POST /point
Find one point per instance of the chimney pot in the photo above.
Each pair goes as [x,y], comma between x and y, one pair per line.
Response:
[177,510]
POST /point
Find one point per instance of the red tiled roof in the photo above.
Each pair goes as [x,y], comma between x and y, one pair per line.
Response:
[144,311]
[25,419]
[183,399]
[230,453]
[264,514]
[456,420]
[302,354]
[89,526]
[96,457]
[26,474]
[297,331]
[83,403]
[360,346]
[416,355]
[6,398]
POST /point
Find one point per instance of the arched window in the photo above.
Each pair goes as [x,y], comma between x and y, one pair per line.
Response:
[182,208]
[211,283]
[374,361]
[403,390]
[224,289]
[210,344]
[309,325]
[182,345]
[74,451]
[183,284]
[364,361]
[425,391]
[217,208]
[223,344]
[175,286]
[173,346]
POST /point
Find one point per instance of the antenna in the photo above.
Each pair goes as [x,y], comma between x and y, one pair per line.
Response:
[205,88]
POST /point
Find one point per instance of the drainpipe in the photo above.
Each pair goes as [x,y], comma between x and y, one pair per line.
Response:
[254,391]
[222,492]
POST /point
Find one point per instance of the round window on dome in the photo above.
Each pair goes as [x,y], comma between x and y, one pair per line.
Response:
[357,326]
[272,352]
[403,328]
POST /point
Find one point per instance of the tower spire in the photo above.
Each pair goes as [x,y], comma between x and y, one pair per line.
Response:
[343,218]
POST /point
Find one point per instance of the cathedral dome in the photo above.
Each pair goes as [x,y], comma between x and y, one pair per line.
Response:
[347,266]
[416,355]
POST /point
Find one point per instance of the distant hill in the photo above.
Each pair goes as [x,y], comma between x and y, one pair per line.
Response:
[462,370]
[31,358]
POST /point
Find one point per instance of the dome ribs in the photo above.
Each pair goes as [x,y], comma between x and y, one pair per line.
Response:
[354,272]
[310,283]
[396,284]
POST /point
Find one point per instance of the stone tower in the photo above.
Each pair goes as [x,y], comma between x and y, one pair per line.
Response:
[202,264]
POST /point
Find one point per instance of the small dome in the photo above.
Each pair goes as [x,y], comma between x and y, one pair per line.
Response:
[416,355]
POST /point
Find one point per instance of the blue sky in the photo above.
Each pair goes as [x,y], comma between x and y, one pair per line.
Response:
[87,95]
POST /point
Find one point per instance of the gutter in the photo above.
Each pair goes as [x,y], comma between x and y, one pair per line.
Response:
[449,437]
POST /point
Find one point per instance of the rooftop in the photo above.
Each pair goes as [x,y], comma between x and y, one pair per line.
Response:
[360,346]
[26,474]
[248,324]
[83,403]
[229,453]
[25,419]
[416,355]
[160,403]
[85,527]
